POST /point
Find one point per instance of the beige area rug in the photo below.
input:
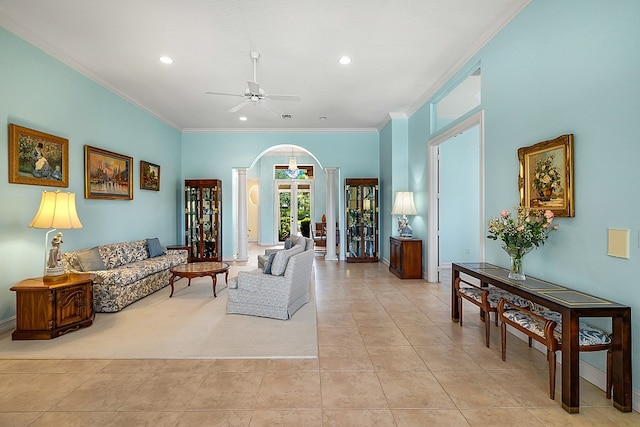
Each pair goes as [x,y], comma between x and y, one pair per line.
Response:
[191,325]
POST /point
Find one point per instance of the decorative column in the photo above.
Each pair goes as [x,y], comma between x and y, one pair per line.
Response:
[331,215]
[242,215]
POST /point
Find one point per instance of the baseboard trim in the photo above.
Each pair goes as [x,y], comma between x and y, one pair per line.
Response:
[7,325]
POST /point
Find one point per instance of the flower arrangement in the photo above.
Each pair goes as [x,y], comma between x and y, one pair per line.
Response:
[546,178]
[520,234]
[528,229]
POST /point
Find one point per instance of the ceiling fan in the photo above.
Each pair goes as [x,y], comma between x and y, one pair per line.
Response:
[254,94]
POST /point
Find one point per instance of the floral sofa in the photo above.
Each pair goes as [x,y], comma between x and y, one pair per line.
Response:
[124,272]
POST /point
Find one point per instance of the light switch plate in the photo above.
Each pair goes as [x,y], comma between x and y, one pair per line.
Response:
[618,243]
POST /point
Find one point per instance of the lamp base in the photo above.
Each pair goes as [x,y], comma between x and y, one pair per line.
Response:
[55,274]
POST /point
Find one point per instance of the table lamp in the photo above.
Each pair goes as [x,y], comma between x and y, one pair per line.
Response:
[57,210]
[404,206]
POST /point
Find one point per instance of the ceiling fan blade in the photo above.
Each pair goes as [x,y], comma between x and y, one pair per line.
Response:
[271,108]
[284,97]
[254,87]
[239,106]
[225,94]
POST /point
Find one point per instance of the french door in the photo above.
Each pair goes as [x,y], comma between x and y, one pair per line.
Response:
[294,206]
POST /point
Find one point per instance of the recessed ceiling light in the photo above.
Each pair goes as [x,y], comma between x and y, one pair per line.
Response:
[242,118]
[322,118]
[344,60]
[166,60]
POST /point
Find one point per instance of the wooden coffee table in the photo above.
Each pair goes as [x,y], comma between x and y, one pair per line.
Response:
[199,269]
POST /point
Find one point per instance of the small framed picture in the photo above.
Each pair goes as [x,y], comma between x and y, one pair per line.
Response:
[149,176]
[107,175]
[545,180]
[37,158]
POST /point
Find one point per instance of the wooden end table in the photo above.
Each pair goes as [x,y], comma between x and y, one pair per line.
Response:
[46,310]
[199,269]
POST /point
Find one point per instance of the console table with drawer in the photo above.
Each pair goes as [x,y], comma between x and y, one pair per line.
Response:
[572,305]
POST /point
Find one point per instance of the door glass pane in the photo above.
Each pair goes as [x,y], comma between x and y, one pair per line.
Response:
[353,221]
[369,220]
[284,211]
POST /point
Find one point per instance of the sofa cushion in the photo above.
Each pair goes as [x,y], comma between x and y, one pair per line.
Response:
[269,262]
[155,248]
[279,264]
[90,260]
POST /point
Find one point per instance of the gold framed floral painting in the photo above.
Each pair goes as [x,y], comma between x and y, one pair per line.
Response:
[545,178]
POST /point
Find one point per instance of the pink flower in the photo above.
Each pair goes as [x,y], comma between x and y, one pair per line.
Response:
[504,213]
[548,214]
[520,228]
[545,225]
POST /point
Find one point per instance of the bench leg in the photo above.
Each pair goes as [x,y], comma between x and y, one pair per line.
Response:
[609,374]
[503,340]
[487,328]
[551,357]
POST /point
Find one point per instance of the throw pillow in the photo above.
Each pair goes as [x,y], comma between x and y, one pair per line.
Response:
[155,248]
[267,265]
[90,260]
[279,264]
[288,242]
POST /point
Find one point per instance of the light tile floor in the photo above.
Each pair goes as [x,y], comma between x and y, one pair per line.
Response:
[389,355]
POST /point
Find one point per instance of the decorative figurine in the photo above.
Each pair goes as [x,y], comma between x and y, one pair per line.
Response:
[55,253]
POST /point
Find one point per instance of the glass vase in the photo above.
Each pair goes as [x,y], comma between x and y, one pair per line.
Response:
[517,260]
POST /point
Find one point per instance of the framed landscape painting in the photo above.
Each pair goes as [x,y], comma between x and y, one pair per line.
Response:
[107,175]
[149,176]
[37,158]
[545,177]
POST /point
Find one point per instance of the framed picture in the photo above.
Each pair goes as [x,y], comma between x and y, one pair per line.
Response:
[149,176]
[107,175]
[37,158]
[546,176]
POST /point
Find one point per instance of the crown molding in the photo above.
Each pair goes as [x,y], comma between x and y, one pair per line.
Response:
[278,130]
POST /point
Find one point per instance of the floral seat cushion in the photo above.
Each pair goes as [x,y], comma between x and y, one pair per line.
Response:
[588,335]
[494,296]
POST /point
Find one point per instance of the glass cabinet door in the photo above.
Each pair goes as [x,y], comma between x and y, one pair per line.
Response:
[361,201]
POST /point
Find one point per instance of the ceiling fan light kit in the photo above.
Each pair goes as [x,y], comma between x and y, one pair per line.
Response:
[255,95]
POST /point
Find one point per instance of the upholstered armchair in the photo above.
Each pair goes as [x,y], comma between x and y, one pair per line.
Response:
[278,294]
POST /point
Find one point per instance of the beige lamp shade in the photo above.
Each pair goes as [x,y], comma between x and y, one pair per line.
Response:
[404,204]
[57,210]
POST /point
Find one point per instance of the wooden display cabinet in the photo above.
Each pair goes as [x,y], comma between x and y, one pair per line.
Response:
[405,260]
[46,310]
[203,219]
[361,203]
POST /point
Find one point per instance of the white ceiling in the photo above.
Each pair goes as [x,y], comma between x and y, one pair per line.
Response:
[402,50]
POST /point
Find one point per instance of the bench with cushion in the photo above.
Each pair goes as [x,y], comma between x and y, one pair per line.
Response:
[545,326]
[487,299]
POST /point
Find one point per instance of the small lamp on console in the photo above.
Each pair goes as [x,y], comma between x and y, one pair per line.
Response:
[404,206]
[57,211]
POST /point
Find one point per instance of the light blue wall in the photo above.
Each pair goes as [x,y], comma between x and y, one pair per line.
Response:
[567,67]
[215,154]
[394,174]
[39,92]
[459,198]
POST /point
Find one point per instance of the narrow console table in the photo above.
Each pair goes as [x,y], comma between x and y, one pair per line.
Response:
[46,310]
[572,305]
